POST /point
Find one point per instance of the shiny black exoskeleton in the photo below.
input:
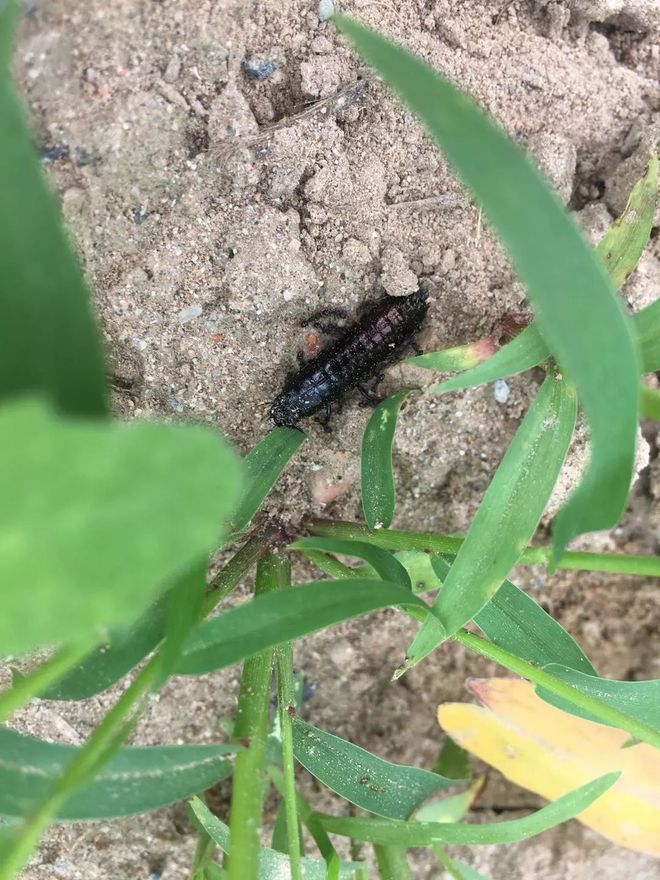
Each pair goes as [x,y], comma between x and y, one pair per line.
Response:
[359,355]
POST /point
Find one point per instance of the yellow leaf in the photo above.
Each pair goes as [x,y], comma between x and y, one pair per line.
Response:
[550,752]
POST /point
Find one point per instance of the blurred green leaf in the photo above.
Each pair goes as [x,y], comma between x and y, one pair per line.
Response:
[377,481]
[514,621]
[369,782]
[450,809]
[282,617]
[263,466]
[525,351]
[136,780]
[272,865]
[115,511]
[453,761]
[397,833]
[48,336]
[8,17]
[638,699]
[647,328]
[508,515]
[578,314]
[461,358]
[467,872]
[385,564]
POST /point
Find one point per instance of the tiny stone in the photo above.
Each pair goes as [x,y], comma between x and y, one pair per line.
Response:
[175,405]
[326,9]
[173,69]
[190,313]
[259,68]
[501,391]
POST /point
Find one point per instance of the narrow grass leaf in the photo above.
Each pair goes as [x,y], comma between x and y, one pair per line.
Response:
[411,834]
[453,808]
[49,341]
[136,780]
[624,242]
[273,865]
[123,649]
[369,782]
[463,357]
[467,872]
[263,467]
[183,610]
[578,314]
[638,699]
[525,351]
[453,761]
[647,328]
[282,617]
[377,481]
[82,493]
[508,515]
[384,563]
[650,403]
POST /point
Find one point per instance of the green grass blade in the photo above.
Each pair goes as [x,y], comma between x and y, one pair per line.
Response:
[136,780]
[508,515]
[48,337]
[385,564]
[377,481]
[578,314]
[527,350]
[410,834]
[183,608]
[369,782]
[624,242]
[270,620]
[514,621]
[464,357]
[650,399]
[263,466]
[82,492]
[273,865]
[638,699]
[647,328]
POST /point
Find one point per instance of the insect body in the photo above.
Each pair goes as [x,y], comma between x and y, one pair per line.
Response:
[375,341]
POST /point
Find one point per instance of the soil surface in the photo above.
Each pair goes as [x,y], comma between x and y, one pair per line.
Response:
[227,167]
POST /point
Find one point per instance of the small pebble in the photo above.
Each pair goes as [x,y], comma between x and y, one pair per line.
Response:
[259,68]
[190,313]
[52,154]
[173,69]
[501,391]
[175,405]
[326,9]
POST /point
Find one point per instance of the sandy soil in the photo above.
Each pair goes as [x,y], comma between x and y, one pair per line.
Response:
[227,167]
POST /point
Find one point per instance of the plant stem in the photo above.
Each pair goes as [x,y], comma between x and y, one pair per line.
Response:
[101,744]
[391,539]
[447,863]
[286,702]
[605,714]
[230,576]
[392,863]
[329,564]
[251,729]
[39,679]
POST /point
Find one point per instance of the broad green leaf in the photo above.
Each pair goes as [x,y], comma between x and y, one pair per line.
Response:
[369,782]
[136,780]
[385,564]
[525,351]
[397,833]
[8,17]
[108,663]
[420,571]
[272,865]
[549,752]
[377,480]
[647,328]
[49,342]
[461,358]
[650,408]
[578,314]
[115,511]
[282,617]
[263,466]
[508,515]
[453,761]
[638,699]
[514,621]
[624,242]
